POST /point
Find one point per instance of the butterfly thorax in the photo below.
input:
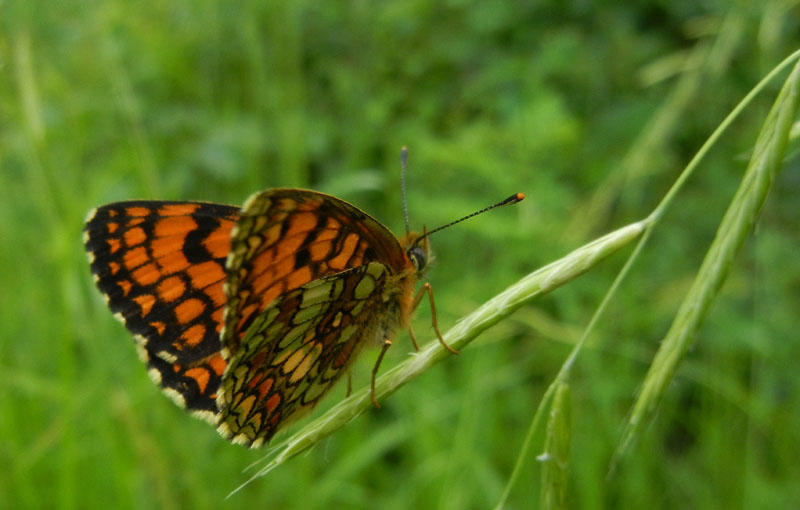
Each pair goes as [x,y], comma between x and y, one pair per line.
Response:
[398,289]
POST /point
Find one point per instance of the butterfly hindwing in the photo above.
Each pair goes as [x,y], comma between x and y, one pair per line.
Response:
[297,348]
[160,266]
[193,386]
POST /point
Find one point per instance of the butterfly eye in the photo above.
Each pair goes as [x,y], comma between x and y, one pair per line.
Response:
[418,257]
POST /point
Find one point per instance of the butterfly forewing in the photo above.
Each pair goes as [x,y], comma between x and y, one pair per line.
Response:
[286,238]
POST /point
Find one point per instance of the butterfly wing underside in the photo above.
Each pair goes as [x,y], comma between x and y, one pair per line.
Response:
[295,350]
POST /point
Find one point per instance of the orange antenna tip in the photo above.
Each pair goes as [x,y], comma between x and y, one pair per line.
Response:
[513,199]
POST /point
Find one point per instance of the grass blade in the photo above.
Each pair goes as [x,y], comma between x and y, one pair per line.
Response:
[736,225]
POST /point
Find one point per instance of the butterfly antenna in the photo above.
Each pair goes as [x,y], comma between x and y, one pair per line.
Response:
[513,199]
[403,161]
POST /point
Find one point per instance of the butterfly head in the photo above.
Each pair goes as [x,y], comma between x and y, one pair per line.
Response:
[418,251]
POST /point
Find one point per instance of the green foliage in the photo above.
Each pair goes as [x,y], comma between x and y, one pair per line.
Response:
[592,110]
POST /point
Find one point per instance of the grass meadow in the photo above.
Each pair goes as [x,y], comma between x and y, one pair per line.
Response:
[655,369]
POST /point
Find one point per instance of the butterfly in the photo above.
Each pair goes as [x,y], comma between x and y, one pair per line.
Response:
[248,316]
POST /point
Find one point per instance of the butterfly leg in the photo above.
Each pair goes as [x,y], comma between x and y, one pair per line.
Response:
[349,383]
[413,338]
[428,289]
[386,344]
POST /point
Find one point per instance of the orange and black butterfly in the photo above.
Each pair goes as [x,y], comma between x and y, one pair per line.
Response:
[247,317]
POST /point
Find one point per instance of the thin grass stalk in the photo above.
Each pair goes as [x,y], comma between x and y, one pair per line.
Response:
[555,459]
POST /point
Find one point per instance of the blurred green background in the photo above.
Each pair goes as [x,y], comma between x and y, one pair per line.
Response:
[590,108]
